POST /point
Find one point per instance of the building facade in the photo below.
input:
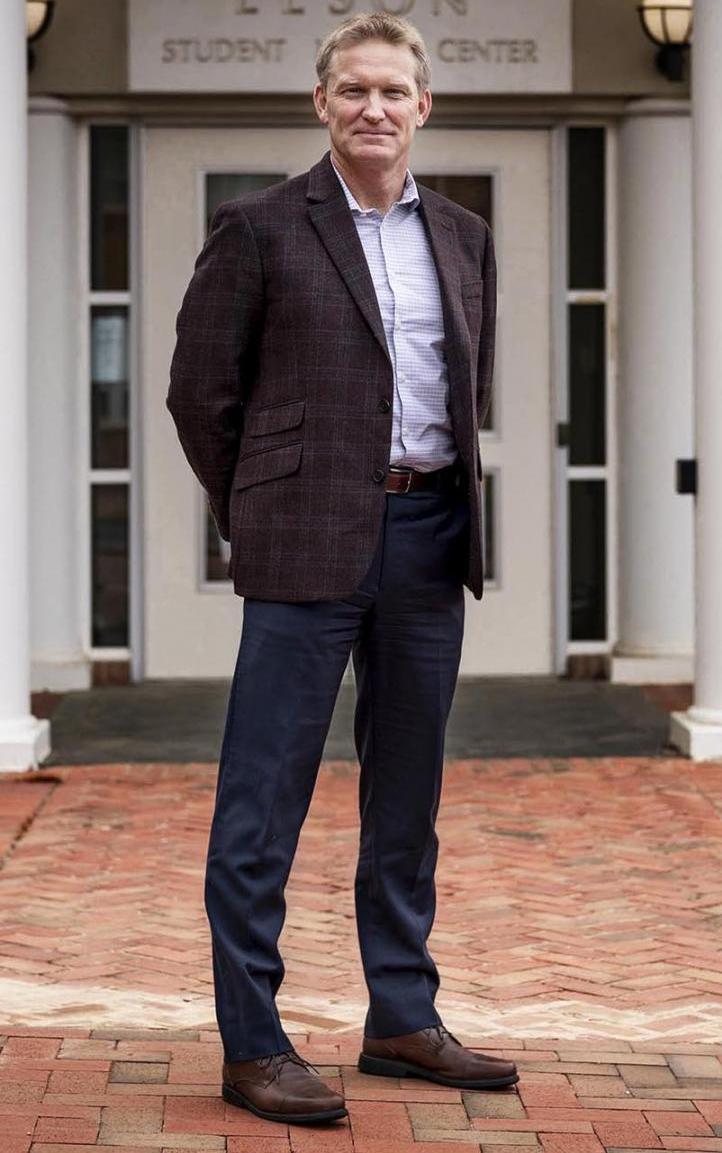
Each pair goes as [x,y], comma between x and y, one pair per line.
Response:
[551,120]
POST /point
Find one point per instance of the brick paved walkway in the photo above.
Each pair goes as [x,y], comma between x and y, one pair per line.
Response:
[131,1092]
[578,930]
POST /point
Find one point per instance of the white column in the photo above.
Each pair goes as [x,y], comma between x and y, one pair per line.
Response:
[698,732]
[23,739]
[56,494]
[655,406]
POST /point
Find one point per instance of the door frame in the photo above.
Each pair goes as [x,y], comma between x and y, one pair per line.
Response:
[559,500]
[177,159]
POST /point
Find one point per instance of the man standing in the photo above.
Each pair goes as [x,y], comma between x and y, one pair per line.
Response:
[333,367]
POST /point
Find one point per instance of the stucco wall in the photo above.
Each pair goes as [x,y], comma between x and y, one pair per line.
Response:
[612,56]
[84,51]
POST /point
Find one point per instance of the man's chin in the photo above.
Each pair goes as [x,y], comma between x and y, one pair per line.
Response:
[382,148]
[366,144]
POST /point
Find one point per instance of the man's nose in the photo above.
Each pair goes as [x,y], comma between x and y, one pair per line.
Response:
[374,109]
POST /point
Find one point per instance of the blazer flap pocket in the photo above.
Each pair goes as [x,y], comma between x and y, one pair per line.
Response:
[471,289]
[268,464]
[278,418]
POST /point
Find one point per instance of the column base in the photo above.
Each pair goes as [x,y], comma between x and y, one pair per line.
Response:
[24,743]
[662,669]
[701,740]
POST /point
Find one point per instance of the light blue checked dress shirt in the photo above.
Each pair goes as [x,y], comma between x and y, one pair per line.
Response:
[407,289]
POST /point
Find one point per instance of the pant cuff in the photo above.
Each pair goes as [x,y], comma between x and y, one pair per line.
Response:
[254,1053]
[396,1027]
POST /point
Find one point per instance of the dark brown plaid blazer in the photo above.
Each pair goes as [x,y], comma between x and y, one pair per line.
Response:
[279,374]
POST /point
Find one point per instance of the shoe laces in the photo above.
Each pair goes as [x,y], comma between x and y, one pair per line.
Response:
[442,1033]
[276,1061]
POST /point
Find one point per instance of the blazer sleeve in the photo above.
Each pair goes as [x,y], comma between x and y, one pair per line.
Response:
[211,368]
[485,370]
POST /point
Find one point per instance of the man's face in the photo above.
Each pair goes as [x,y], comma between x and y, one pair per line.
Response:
[372,105]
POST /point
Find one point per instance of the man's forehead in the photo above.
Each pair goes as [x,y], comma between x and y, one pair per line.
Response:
[396,64]
[352,76]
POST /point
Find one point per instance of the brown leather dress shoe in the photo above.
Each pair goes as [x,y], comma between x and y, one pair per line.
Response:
[436,1055]
[281,1087]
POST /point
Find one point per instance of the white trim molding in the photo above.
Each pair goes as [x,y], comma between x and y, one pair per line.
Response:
[60,674]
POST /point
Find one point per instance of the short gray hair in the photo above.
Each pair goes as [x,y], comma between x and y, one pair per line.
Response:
[374,26]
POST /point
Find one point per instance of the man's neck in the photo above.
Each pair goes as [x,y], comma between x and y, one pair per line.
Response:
[373,188]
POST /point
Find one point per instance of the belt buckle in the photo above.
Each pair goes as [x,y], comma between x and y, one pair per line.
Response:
[408,473]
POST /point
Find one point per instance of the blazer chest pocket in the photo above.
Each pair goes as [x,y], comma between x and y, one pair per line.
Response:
[277,418]
[268,464]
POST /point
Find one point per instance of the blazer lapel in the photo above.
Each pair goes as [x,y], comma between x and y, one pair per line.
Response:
[441,230]
[332,219]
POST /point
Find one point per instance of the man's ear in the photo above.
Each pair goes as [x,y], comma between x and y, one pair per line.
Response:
[319,101]
[424,108]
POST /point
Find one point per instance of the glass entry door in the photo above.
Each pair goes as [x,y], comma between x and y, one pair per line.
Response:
[192,617]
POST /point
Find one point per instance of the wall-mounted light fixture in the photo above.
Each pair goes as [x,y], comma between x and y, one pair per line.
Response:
[668,24]
[38,17]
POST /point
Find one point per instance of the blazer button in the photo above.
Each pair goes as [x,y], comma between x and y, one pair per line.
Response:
[384,405]
[379,475]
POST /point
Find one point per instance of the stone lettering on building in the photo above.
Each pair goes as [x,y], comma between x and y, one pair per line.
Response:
[270,45]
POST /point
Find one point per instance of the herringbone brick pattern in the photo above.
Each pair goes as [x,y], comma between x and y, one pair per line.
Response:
[578,931]
[130,1092]
[574,897]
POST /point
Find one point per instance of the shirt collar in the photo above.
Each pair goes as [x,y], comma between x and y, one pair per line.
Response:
[410,194]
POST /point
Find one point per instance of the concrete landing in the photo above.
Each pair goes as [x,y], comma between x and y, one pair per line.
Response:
[175,720]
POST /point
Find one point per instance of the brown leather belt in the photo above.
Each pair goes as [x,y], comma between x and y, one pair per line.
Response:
[403,480]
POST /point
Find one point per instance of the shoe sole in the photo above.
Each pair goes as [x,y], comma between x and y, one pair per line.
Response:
[385,1067]
[233,1097]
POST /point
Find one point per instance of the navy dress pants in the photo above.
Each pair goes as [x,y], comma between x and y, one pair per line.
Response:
[403,627]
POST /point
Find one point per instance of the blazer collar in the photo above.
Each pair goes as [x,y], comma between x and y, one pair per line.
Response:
[435,213]
[323,183]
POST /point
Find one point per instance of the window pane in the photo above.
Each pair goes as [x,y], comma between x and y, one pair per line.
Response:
[109,208]
[587,365]
[109,529]
[218,551]
[490,493]
[222,186]
[586,207]
[587,567]
[109,387]
[472,192]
